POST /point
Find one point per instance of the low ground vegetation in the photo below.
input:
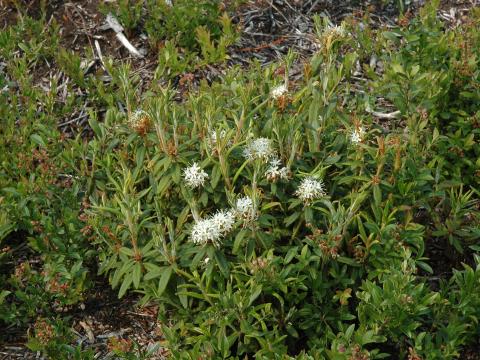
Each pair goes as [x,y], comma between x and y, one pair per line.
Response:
[319,209]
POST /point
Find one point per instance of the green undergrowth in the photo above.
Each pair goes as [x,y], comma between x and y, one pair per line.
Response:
[186,36]
[334,216]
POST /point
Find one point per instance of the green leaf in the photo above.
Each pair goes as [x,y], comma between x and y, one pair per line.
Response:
[37,139]
[397,68]
[3,295]
[270,205]
[291,219]
[181,296]
[377,195]
[216,174]
[222,263]
[153,271]
[475,247]
[239,171]
[127,281]
[392,36]
[349,332]
[255,294]
[425,266]
[239,240]
[348,261]
[162,284]
[137,274]
[290,255]
[94,125]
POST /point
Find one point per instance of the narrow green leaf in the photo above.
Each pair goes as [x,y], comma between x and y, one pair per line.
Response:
[37,139]
[137,274]
[127,281]
[165,278]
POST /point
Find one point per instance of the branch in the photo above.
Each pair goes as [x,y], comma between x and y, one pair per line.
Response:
[388,116]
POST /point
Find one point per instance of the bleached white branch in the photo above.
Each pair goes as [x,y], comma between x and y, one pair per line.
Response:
[113,24]
[388,116]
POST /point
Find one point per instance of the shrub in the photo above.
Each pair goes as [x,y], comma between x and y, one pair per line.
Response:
[44,252]
[262,217]
[267,215]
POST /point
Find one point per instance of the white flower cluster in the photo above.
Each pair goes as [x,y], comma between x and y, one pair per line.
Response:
[194,176]
[215,137]
[335,30]
[214,228]
[137,114]
[260,148]
[140,121]
[275,171]
[245,209]
[310,189]
[278,91]
[329,35]
[357,134]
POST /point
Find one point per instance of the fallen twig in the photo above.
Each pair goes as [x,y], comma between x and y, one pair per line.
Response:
[112,23]
[388,116]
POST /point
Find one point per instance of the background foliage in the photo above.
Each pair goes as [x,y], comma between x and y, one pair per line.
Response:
[383,261]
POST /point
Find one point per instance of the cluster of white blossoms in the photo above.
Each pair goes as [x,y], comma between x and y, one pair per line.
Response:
[194,176]
[335,30]
[140,121]
[278,91]
[260,148]
[275,171]
[310,189]
[330,34]
[245,209]
[215,137]
[223,220]
[214,228]
[357,134]
[136,115]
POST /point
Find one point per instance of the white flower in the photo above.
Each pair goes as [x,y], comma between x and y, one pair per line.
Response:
[140,122]
[215,137]
[223,220]
[203,232]
[357,134]
[212,229]
[244,205]
[245,209]
[335,30]
[330,34]
[275,171]
[195,176]
[310,189]
[275,162]
[260,148]
[136,115]
[207,259]
[278,91]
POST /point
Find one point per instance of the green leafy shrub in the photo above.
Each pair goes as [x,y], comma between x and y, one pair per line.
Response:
[267,215]
[181,21]
[44,251]
[435,72]
[261,218]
